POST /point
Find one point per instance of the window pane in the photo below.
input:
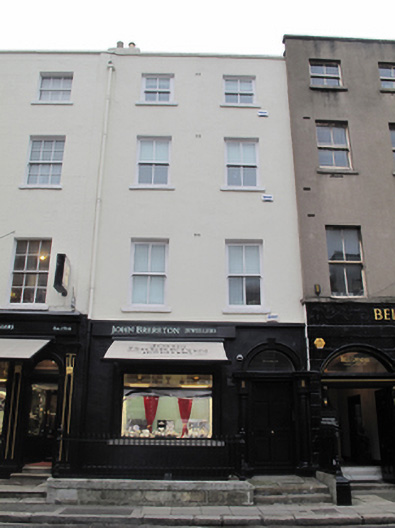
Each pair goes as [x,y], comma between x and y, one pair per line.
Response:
[19,263]
[332,82]
[160,174]
[231,98]
[248,150]
[253,292]
[336,275]
[146,150]
[150,96]
[317,81]
[341,158]
[317,68]
[21,247]
[145,174]
[334,244]
[139,290]
[385,72]
[351,244]
[231,85]
[141,252]
[234,176]
[339,137]
[158,258]
[324,135]
[332,69]
[249,176]
[30,279]
[235,259]
[252,259]
[161,151]
[354,279]
[246,86]
[325,158]
[392,131]
[233,152]
[151,82]
[157,290]
[246,99]
[235,290]
[40,295]
[31,263]
[16,295]
[28,295]
[164,97]
[164,84]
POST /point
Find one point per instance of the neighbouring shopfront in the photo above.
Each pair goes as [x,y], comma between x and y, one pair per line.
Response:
[38,357]
[353,348]
[193,400]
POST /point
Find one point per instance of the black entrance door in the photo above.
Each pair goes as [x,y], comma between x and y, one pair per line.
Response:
[386,430]
[41,424]
[270,437]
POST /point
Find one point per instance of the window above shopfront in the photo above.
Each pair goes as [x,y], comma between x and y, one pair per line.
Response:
[354,363]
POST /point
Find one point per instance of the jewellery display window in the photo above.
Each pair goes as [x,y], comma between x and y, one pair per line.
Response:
[167,405]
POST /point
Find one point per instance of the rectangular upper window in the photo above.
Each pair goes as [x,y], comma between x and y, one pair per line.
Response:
[387,75]
[157,88]
[239,90]
[153,162]
[30,271]
[241,163]
[325,73]
[244,274]
[333,145]
[55,87]
[149,272]
[345,261]
[45,161]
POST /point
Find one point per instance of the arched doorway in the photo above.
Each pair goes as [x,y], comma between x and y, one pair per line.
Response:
[358,386]
[42,412]
[270,410]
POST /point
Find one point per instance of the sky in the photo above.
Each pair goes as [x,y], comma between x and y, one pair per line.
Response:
[208,26]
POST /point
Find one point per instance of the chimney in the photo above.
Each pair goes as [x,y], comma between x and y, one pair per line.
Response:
[119,44]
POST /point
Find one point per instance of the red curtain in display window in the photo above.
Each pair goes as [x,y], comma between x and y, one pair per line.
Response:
[185,406]
[150,407]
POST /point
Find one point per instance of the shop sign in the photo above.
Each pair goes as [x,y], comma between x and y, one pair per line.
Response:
[384,314]
[30,328]
[161,330]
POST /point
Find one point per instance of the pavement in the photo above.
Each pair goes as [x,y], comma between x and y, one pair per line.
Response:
[367,511]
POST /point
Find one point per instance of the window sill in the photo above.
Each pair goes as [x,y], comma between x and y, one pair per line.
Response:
[329,88]
[245,310]
[242,189]
[322,170]
[234,105]
[348,297]
[146,308]
[151,188]
[56,103]
[27,306]
[52,187]
[143,103]
[387,90]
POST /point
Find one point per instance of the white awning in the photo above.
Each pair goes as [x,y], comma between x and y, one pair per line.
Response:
[20,348]
[166,350]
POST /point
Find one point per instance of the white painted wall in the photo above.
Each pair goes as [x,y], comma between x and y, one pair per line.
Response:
[64,215]
[197,217]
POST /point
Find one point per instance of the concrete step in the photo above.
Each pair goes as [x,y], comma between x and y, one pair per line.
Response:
[362,473]
[294,498]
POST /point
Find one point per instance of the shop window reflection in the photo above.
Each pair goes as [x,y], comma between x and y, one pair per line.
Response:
[167,405]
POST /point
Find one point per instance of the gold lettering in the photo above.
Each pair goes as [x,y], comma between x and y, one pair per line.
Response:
[387,314]
[393,314]
[378,316]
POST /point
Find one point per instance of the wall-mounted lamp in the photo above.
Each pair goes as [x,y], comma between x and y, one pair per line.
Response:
[317,289]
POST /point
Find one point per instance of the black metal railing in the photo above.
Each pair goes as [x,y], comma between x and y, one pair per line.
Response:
[105,455]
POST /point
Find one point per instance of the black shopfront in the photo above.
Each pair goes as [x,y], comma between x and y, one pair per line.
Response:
[41,357]
[352,349]
[193,400]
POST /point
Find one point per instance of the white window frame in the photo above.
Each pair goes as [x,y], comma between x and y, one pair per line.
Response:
[153,163]
[344,263]
[44,162]
[148,307]
[326,77]
[242,164]
[332,147]
[54,75]
[26,272]
[239,92]
[157,91]
[387,78]
[245,308]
